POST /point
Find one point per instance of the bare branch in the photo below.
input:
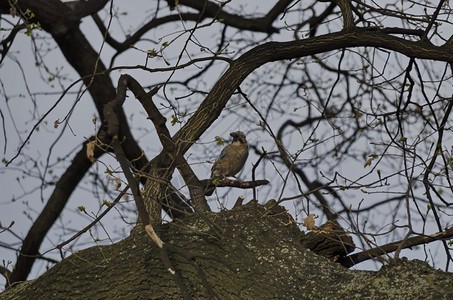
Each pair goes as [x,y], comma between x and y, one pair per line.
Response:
[194,185]
[348,18]
[215,11]
[224,182]
[134,38]
[354,259]
[113,129]
[51,212]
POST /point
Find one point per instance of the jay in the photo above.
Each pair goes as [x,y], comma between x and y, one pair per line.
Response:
[231,159]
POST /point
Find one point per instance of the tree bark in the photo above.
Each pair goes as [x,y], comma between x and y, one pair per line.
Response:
[257,255]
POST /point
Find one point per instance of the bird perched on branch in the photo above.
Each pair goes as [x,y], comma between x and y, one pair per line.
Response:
[231,159]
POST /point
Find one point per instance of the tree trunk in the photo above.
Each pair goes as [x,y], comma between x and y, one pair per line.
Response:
[249,252]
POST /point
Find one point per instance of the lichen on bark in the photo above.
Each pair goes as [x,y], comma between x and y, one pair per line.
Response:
[249,252]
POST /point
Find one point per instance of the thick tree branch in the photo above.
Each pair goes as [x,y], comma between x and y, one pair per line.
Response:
[214,10]
[274,51]
[346,11]
[224,182]
[159,121]
[354,259]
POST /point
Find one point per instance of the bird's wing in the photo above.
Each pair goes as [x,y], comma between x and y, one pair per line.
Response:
[224,151]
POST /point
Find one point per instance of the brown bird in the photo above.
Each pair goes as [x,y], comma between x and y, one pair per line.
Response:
[231,159]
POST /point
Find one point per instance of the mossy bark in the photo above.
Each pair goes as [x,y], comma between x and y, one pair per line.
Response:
[249,252]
